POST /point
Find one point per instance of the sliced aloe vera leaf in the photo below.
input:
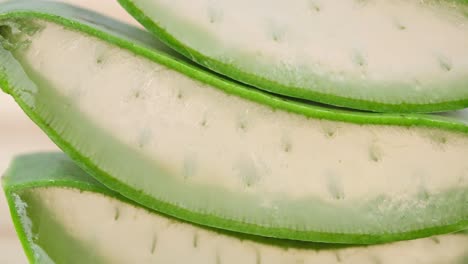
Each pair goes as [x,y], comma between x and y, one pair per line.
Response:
[385,56]
[189,144]
[62,215]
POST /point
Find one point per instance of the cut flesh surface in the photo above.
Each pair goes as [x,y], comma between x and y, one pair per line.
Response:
[385,55]
[200,148]
[63,216]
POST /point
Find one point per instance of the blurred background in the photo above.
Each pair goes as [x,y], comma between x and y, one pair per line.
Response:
[19,135]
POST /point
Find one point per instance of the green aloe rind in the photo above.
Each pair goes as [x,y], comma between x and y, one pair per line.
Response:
[353,177]
[382,56]
[62,215]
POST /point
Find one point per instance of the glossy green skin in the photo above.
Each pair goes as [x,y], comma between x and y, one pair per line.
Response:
[70,18]
[56,170]
[284,89]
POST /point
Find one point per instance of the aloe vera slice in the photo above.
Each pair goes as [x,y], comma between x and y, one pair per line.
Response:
[189,144]
[385,56]
[62,215]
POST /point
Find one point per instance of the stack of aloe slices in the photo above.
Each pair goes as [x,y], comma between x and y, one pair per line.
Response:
[211,152]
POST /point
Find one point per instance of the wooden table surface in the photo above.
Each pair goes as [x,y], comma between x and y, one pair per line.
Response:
[19,135]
